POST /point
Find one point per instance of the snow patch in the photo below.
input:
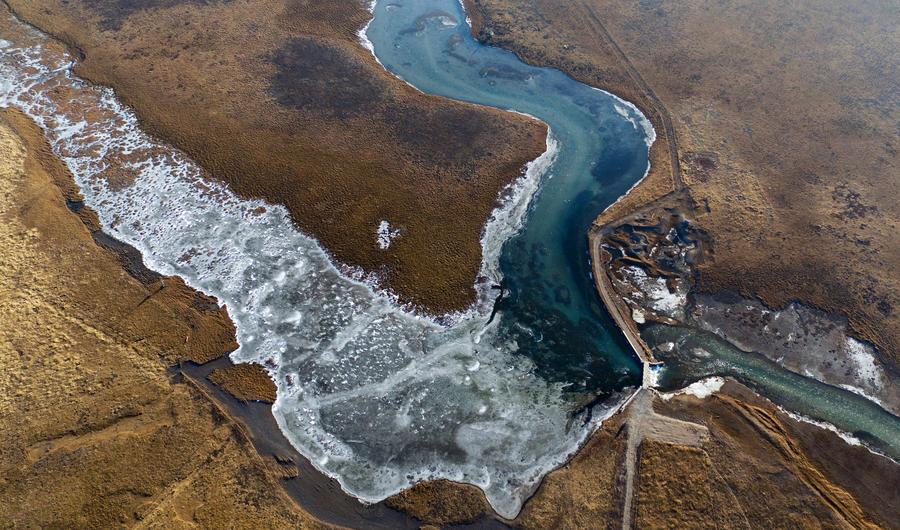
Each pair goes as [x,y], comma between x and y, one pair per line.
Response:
[385,234]
[701,389]
[861,355]
[860,392]
[638,316]
[850,439]
[656,292]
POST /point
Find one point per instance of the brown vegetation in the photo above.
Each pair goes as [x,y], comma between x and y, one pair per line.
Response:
[441,502]
[247,382]
[755,468]
[278,99]
[785,116]
[731,460]
[93,429]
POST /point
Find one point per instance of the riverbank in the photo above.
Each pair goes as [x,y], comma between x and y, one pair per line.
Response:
[300,115]
[315,492]
[185,225]
[95,431]
[577,514]
[161,321]
[600,261]
[546,33]
[762,180]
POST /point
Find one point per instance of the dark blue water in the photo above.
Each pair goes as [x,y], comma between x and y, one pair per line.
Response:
[550,307]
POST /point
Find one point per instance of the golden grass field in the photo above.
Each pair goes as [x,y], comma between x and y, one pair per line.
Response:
[94,430]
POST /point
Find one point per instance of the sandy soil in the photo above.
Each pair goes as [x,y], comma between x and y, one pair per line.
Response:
[94,431]
[278,99]
[785,116]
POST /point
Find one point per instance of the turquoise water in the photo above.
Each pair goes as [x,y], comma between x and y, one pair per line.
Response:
[697,354]
[550,308]
[373,395]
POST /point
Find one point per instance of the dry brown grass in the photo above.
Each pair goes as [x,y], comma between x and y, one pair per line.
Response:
[756,468]
[278,99]
[442,503]
[247,382]
[93,430]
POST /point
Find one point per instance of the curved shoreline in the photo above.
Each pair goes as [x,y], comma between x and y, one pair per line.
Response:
[97,193]
[623,196]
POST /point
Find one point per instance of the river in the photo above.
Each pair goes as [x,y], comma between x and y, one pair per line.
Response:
[374,395]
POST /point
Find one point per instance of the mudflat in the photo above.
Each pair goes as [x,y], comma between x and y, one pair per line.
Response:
[95,430]
[278,99]
[784,125]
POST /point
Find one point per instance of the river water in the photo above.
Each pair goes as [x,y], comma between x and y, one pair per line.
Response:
[376,396]
[551,310]
[691,354]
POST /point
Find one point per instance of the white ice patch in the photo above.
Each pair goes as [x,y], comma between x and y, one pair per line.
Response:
[849,438]
[363,36]
[637,118]
[701,389]
[373,395]
[656,292]
[863,358]
[462,6]
[860,392]
[630,112]
[384,235]
[507,219]
[638,316]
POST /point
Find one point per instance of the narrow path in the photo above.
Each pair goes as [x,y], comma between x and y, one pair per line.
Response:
[617,308]
[661,109]
[643,422]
